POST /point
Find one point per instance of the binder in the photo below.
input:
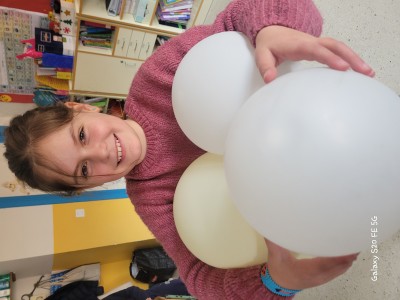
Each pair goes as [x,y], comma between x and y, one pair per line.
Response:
[113,7]
[140,11]
[151,6]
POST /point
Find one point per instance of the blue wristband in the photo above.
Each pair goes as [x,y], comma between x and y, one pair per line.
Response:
[273,286]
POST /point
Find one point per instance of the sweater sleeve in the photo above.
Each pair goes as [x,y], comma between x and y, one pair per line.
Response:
[154,201]
[250,16]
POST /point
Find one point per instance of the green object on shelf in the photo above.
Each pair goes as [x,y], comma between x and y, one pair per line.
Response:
[100,103]
[5,281]
[5,286]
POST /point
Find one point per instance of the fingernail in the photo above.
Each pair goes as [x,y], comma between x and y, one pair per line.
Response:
[267,76]
[372,73]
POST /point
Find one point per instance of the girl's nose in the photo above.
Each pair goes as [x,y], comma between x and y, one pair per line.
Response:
[99,152]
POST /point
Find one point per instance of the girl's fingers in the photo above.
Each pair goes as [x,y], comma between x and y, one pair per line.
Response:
[346,54]
[266,63]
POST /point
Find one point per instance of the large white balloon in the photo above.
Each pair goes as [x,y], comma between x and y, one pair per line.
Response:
[313,158]
[208,222]
[211,83]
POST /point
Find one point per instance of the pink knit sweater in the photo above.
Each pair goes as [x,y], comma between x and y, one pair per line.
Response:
[151,184]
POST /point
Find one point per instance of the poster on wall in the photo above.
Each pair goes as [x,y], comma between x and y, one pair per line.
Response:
[17,77]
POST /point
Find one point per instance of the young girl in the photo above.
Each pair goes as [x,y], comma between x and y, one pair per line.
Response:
[66,150]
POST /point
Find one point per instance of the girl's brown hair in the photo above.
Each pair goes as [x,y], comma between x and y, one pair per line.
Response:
[21,140]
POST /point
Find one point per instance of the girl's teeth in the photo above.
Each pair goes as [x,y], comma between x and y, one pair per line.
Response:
[119,149]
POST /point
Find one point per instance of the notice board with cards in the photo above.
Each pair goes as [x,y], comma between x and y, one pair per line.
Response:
[17,76]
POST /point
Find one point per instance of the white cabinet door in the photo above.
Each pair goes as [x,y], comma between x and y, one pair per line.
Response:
[104,74]
[135,43]
[147,46]
[122,43]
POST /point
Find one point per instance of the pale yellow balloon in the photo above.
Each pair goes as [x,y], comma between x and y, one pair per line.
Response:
[208,222]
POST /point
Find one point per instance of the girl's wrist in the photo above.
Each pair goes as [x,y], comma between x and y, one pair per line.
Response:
[272,286]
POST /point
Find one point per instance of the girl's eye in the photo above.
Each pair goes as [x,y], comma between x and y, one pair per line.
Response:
[85,170]
[82,135]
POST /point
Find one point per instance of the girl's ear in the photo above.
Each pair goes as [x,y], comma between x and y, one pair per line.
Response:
[82,107]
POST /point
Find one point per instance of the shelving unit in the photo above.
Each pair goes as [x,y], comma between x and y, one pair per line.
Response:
[109,72]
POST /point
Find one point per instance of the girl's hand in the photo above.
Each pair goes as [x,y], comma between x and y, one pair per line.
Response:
[275,44]
[299,274]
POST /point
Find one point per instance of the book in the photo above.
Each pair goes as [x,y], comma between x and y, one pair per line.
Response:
[180,17]
[176,6]
[173,24]
[151,6]
[55,83]
[94,24]
[132,7]
[63,75]
[43,71]
[113,7]
[51,60]
[140,10]
[96,36]
[97,44]
[97,31]
[171,1]
[128,6]
[174,13]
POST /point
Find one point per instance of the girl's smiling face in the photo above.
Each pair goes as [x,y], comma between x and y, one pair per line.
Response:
[93,149]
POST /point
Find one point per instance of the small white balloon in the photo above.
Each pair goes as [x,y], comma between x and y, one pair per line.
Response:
[211,83]
[207,221]
[313,157]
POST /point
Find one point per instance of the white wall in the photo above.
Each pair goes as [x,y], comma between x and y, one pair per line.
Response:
[9,109]
[7,179]
[27,245]
[27,233]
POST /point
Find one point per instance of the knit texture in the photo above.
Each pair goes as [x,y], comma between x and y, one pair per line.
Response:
[151,184]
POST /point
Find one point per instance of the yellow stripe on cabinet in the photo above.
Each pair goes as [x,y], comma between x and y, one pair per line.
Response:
[105,223]
[107,233]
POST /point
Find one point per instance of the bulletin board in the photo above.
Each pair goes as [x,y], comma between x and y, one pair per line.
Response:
[16,77]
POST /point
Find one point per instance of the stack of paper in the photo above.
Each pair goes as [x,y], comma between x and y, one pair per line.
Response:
[53,67]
